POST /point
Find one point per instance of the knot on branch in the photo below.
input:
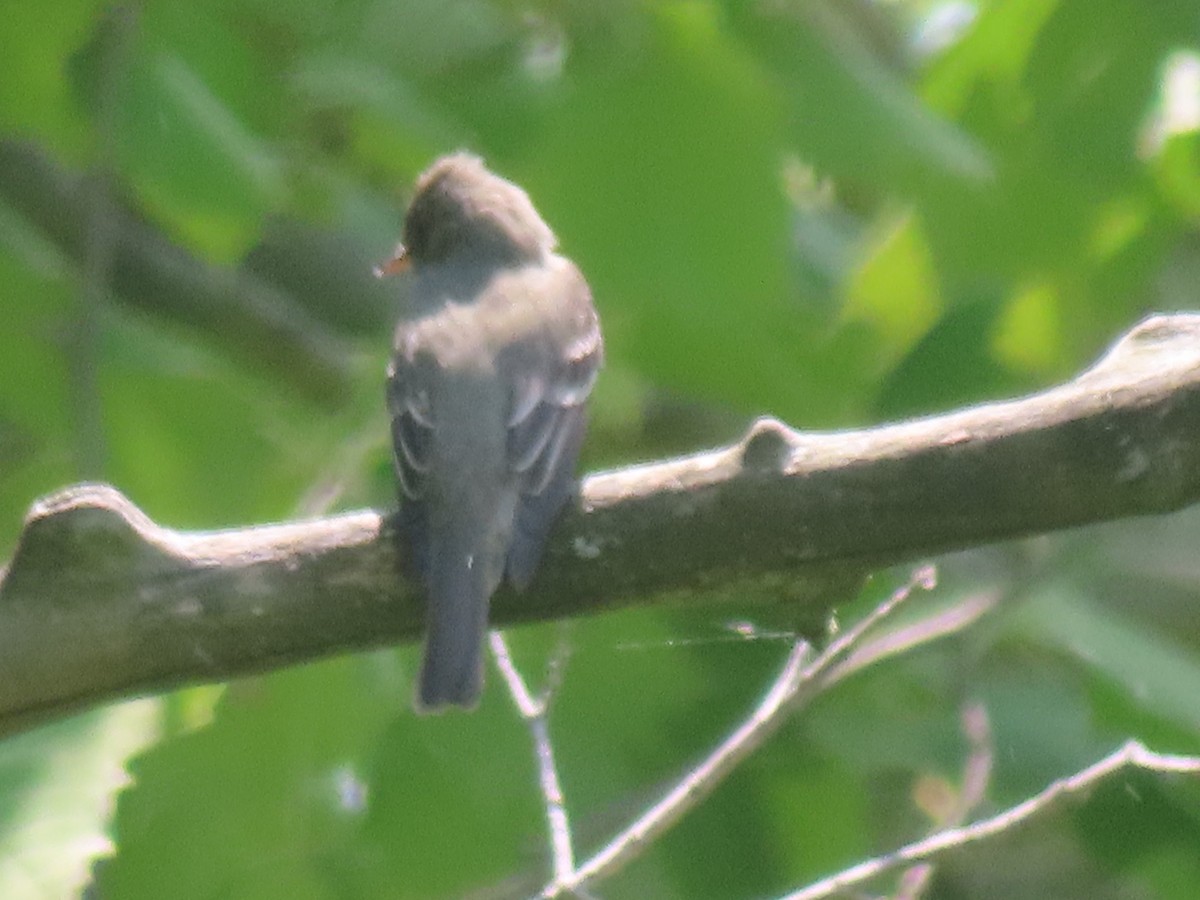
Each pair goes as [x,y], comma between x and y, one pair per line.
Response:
[767,448]
[85,530]
[1163,348]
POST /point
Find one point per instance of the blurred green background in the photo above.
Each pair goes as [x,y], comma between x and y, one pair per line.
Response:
[834,212]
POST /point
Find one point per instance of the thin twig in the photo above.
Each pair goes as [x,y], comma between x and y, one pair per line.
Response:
[1131,754]
[534,711]
[929,628]
[977,774]
[796,684]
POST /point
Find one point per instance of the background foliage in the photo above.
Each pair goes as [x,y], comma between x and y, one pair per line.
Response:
[835,212]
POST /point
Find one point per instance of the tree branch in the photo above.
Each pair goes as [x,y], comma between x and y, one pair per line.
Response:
[1131,755]
[99,602]
[259,321]
[798,682]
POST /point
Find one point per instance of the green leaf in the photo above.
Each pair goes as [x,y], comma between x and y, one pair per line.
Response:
[1157,674]
[851,114]
[266,801]
[663,179]
[34,47]
[192,110]
[57,787]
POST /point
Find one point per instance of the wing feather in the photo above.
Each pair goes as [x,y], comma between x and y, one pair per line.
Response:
[412,422]
[546,425]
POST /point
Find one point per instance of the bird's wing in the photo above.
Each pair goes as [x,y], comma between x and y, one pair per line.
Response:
[412,416]
[547,418]
[411,413]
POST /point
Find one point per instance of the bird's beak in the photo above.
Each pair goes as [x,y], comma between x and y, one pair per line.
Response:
[400,262]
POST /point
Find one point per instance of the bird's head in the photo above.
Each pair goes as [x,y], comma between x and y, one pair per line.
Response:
[461,211]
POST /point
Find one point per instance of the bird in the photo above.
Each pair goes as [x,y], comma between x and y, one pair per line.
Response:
[495,353]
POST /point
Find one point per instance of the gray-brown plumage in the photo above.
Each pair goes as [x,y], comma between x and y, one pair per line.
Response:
[493,361]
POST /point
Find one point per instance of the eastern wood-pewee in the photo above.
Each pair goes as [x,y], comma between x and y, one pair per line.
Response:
[492,364]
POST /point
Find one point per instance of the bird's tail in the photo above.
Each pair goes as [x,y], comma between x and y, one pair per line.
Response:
[460,583]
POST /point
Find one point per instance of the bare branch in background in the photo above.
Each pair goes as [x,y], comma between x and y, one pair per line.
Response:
[264,326]
[1132,754]
[535,712]
[977,775]
[797,683]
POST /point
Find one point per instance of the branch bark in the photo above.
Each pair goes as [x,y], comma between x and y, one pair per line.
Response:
[99,602]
